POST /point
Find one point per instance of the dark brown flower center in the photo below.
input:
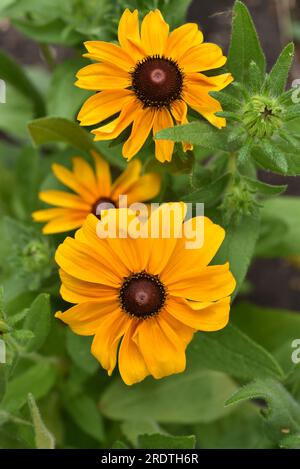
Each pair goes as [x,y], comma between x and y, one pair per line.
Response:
[104,203]
[142,295]
[157,81]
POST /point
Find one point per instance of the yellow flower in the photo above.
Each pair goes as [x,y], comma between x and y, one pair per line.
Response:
[94,192]
[149,79]
[150,294]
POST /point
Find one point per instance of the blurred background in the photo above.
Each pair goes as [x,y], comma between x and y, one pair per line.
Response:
[271,282]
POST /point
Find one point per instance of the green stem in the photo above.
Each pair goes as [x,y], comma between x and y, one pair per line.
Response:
[48,56]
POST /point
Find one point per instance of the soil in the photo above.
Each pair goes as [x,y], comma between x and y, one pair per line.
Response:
[275,282]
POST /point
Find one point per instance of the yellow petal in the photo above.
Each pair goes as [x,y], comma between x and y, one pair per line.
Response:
[64,199]
[214,83]
[142,124]
[162,349]
[200,316]
[86,175]
[74,290]
[114,128]
[163,148]
[187,256]
[68,178]
[182,39]
[88,235]
[123,183]
[205,105]
[49,214]
[107,338]
[206,56]
[182,330]
[154,33]
[69,221]
[86,318]
[129,34]
[146,188]
[102,105]
[132,365]
[102,76]
[209,284]
[102,174]
[86,263]
[111,53]
[164,227]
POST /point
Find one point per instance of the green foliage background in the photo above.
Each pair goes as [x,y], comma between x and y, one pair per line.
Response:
[241,388]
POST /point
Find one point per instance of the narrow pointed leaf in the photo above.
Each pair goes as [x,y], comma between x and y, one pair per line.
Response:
[280,71]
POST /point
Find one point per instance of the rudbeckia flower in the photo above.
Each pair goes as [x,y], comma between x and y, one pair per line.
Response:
[142,298]
[149,80]
[94,192]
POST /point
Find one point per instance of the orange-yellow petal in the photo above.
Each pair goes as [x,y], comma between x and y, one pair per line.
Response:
[162,349]
[86,175]
[114,128]
[145,188]
[87,318]
[102,76]
[154,33]
[205,105]
[129,34]
[182,39]
[64,199]
[49,214]
[67,222]
[103,175]
[206,56]
[163,148]
[111,53]
[68,178]
[132,366]
[102,105]
[142,124]
[209,284]
[107,338]
[200,316]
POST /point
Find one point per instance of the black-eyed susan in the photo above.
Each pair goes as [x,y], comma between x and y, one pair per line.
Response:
[142,297]
[149,79]
[94,192]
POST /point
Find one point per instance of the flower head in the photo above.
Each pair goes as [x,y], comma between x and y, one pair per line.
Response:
[149,293]
[94,192]
[149,80]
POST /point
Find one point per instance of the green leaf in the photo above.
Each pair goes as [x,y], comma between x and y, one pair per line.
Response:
[245,46]
[43,438]
[12,73]
[204,395]
[198,133]
[159,441]
[280,71]
[280,211]
[282,414]
[78,348]
[86,415]
[238,247]
[57,129]
[263,188]
[131,429]
[290,442]
[119,445]
[233,352]
[2,380]
[65,99]
[49,33]
[37,380]
[276,325]
[271,158]
[38,320]
[210,193]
